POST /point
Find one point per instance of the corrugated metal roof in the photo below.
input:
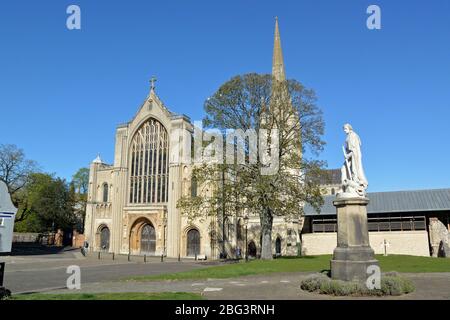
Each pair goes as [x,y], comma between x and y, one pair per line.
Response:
[396,201]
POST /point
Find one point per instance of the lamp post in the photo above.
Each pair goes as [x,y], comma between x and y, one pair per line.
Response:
[223,214]
[246,238]
[299,235]
[165,234]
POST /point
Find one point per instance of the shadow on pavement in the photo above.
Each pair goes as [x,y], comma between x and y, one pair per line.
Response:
[27,249]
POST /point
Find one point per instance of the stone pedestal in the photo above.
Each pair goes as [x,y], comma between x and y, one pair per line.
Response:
[353,253]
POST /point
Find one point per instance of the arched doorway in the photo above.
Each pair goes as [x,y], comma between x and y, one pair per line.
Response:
[278,246]
[251,249]
[148,239]
[143,237]
[104,238]
[193,243]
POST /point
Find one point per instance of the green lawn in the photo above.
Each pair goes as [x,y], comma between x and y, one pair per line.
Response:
[110,296]
[397,263]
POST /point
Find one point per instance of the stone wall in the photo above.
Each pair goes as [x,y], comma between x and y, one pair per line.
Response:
[439,238]
[399,242]
[26,237]
[318,243]
[77,240]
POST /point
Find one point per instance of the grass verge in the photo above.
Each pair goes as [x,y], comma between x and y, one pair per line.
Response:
[399,263]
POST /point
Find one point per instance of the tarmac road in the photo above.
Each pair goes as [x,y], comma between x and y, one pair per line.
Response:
[42,273]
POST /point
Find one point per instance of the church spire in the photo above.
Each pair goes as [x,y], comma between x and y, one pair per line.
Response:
[277,61]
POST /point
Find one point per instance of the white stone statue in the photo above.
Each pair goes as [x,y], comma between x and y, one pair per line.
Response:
[353,179]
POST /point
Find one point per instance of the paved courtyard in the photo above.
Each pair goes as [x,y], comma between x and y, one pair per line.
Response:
[277,286]
[47,273]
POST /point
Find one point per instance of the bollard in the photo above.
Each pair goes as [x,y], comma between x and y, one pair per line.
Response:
[99,255]
[195,257]
[179,257]
[2,273]
[113,256]
[162,258]
[128,257]
[145,258]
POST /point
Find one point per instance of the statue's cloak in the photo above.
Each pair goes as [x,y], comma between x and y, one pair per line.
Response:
[353,145]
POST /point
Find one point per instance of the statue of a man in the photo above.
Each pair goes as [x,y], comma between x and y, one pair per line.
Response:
[354,182]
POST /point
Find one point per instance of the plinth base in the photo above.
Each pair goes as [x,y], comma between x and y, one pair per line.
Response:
[353,254]
[351,263]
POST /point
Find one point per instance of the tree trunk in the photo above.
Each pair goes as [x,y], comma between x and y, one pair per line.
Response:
[266,219]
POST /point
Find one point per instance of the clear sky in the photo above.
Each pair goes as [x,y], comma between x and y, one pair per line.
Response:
[62,92]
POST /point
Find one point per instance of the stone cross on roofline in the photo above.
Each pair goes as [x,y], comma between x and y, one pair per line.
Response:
[152,83]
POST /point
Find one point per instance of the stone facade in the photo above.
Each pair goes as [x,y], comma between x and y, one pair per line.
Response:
[115,224]
[413,243]
[331,182]
[439,238]
[124,215]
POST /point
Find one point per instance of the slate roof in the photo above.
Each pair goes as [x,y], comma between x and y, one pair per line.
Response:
[396,201]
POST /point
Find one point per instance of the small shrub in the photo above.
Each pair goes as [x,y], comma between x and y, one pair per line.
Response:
[407,285]
[4,293]
[325,286]
[313,283]
[395,285]
[390,285]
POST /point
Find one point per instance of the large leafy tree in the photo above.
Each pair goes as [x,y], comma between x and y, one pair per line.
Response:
[80,183]
[47,203]
[16,171]
[289,113]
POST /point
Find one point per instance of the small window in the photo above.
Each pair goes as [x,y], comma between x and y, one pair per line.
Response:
[239,230]
[105,192]
[193,187]
[227,229]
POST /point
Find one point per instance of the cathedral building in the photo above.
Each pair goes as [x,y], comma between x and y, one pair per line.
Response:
[132,203]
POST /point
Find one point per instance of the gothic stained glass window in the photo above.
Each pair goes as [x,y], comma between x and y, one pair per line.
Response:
[149,167]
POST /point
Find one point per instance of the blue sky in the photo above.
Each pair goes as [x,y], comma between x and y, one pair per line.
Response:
[62,93]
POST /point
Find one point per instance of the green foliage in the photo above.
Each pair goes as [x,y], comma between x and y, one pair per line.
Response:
[312,284]
[15,169]
[48,201]
[254,267]
[302,264]
[80,181]
[390,286]
[15,172]
[404,263]
[79,190]
[396,285]
[43,201]
[5,294]
[31,224]
[255,102]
